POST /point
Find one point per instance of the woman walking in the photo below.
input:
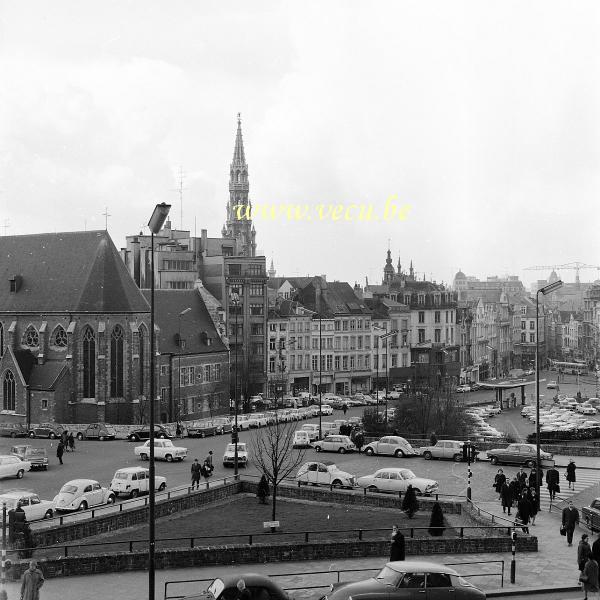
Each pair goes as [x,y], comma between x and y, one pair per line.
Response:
[397,549]
[506,497]
[589,577]
[571,467]
[524,513]
[584,551]
[533,504]
[499,481]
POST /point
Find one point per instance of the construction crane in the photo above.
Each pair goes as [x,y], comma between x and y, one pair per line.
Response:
[573,266]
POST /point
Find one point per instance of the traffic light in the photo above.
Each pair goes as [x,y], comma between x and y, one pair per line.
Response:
[513,536]
[465,450]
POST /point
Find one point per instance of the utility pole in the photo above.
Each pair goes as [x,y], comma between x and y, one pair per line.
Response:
[179,190]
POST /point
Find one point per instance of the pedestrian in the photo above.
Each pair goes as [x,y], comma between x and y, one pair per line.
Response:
[533,503]
[531,480]
[589,577]
[596,550]
[262,491]
[584,551]
[398,547]
[433,439]
[359,440]
[524,512]
[506,495]
[499,481]
[570,518]
[196,472]
[410,504]
[205,470]
[243,591]
[553,482]
[522,479]
[33,580]
[570,475]
[515,489]
[71,440]
[60,449]
[178,430]
[209,461]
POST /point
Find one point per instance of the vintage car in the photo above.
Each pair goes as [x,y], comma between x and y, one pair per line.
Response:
[225,588]
[335,443]
[133,481]
[450,449]
[395,480]
[81,494]
[13,430]
[13,466]
[519,454]
[97,431]
[324,473]
[410,579]
[144,434]
[46,430]
[35,509]
[590,515]
[222,424]
[392,445]
[302,439]
[201,429]
[229,455]
[38,457]
[163,450]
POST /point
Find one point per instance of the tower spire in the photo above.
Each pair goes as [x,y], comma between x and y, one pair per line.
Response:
[239,158]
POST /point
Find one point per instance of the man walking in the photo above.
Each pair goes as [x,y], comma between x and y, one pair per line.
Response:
[552,481]
[196,472]
[33,580]
[60,449]
[570,518]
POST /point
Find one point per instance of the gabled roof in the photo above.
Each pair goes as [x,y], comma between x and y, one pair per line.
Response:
[168,305]
[298,283]
[77,272]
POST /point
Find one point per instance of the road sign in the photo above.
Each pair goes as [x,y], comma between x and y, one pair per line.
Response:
[271,524]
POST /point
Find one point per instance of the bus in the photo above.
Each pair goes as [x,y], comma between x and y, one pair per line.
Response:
[571,368]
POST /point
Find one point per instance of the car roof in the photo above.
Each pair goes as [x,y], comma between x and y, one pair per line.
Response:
[131,470]
[250,579]
[80,482]
[405,566]
[17,494]
[392,469]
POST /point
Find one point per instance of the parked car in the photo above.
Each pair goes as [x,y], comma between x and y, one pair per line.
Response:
[410,579]
[163,450]
[81,494]
[143,433]
[591,515]
[475,386]
[201,428]
[257,420]
[552,385]
[329,428]
[450,449]
[34,508]
[46,430]
[393,479]
[324,473]
[335,443]
[37,457]
[463,388]
[97,431]
[229,455]
[225,588]
[222,424]
[13,430]
[13,466]
[392,445]
[312,429]
[518,454]
[133,481]
[302,439]
[326,409]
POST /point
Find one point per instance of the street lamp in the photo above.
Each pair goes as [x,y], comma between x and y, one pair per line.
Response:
[179,348]
[548,289]
[159,216]
[234,299]
[385,338]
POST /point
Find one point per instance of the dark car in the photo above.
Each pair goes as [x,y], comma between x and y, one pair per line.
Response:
[225,588]
[46,430]
[97,431]
[591,515]
[144,433]
[519,454]
[403,580]
[13,430]
[201,429]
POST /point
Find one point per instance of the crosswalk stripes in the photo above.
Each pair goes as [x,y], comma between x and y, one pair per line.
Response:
[585,479]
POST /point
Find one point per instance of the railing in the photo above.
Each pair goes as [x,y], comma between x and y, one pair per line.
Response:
[336,572]
[493,517]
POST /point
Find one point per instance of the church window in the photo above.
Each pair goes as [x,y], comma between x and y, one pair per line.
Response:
[59,337]
[1,340]
[116,362]
[9,392]
[31,337]
[142,355]
[89,363]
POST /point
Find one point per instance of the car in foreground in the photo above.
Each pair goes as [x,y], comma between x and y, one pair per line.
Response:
[81,494]
[392,445]
[46,430]
[163,450]
[229,455]
[335,443]
[225,588]
[461,389]
[133,481]
[408,579]
[143,433]
[37,457]
[591,515]
[324,473]
[518,454]
[13,430]
[395,480]
[34,508]
[97,431]
[551,385]
[13,466]
[449,449]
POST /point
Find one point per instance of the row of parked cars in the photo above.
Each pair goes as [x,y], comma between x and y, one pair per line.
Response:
[567,415]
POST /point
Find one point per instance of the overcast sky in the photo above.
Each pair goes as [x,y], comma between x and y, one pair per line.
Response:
[482,117]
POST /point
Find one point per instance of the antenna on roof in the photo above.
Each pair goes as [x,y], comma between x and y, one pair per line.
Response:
[6,225]
[179,190]
[106,215]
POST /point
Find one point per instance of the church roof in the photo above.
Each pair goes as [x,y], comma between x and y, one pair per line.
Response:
[77,271]
[460,275]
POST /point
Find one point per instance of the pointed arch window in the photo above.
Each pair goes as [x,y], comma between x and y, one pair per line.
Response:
[31,337]
[1,340]
[116,362]
[142,354]
[9,392]
[59,337]
[89,363]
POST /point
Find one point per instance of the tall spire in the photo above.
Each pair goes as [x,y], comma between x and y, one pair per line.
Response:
[239,159]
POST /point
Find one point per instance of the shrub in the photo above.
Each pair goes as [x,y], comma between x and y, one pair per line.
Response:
[436,525]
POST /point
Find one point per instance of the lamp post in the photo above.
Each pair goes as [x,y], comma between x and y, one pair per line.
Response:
[159,216]
[234,298]
[179,348]
[320,379]
[385,338]
[548,289]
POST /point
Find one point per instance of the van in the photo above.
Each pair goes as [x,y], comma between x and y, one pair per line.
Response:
[301,439]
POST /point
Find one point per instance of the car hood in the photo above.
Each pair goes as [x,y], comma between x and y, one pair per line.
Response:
[368,586]
[422,482]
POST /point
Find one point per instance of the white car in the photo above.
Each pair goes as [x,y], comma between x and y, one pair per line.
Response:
[397,480]
[163,450]
[257,420]
[335,443]
[392,445]
[34,508]
[133,481]
[324,473]
[229,455]
[461,389]
[326,409]
[312,429]
[81,494]
[13,466]
[301,439]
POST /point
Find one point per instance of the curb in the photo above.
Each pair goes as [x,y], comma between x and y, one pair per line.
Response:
[503,592]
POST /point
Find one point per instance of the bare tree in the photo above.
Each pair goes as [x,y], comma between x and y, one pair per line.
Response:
[273,450]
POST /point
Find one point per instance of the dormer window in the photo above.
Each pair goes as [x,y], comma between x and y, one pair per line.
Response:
[15,283]
[206,340]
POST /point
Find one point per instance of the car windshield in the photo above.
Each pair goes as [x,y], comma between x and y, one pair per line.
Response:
[68,489]
[35,452]
[216,587]
[121,475]
[241,447]
[389,576]
[408,475]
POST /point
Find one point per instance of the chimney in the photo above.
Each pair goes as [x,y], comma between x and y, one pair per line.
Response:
[204,235]
[135,251]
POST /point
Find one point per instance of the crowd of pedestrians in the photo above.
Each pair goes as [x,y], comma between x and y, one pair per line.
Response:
[520,493]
